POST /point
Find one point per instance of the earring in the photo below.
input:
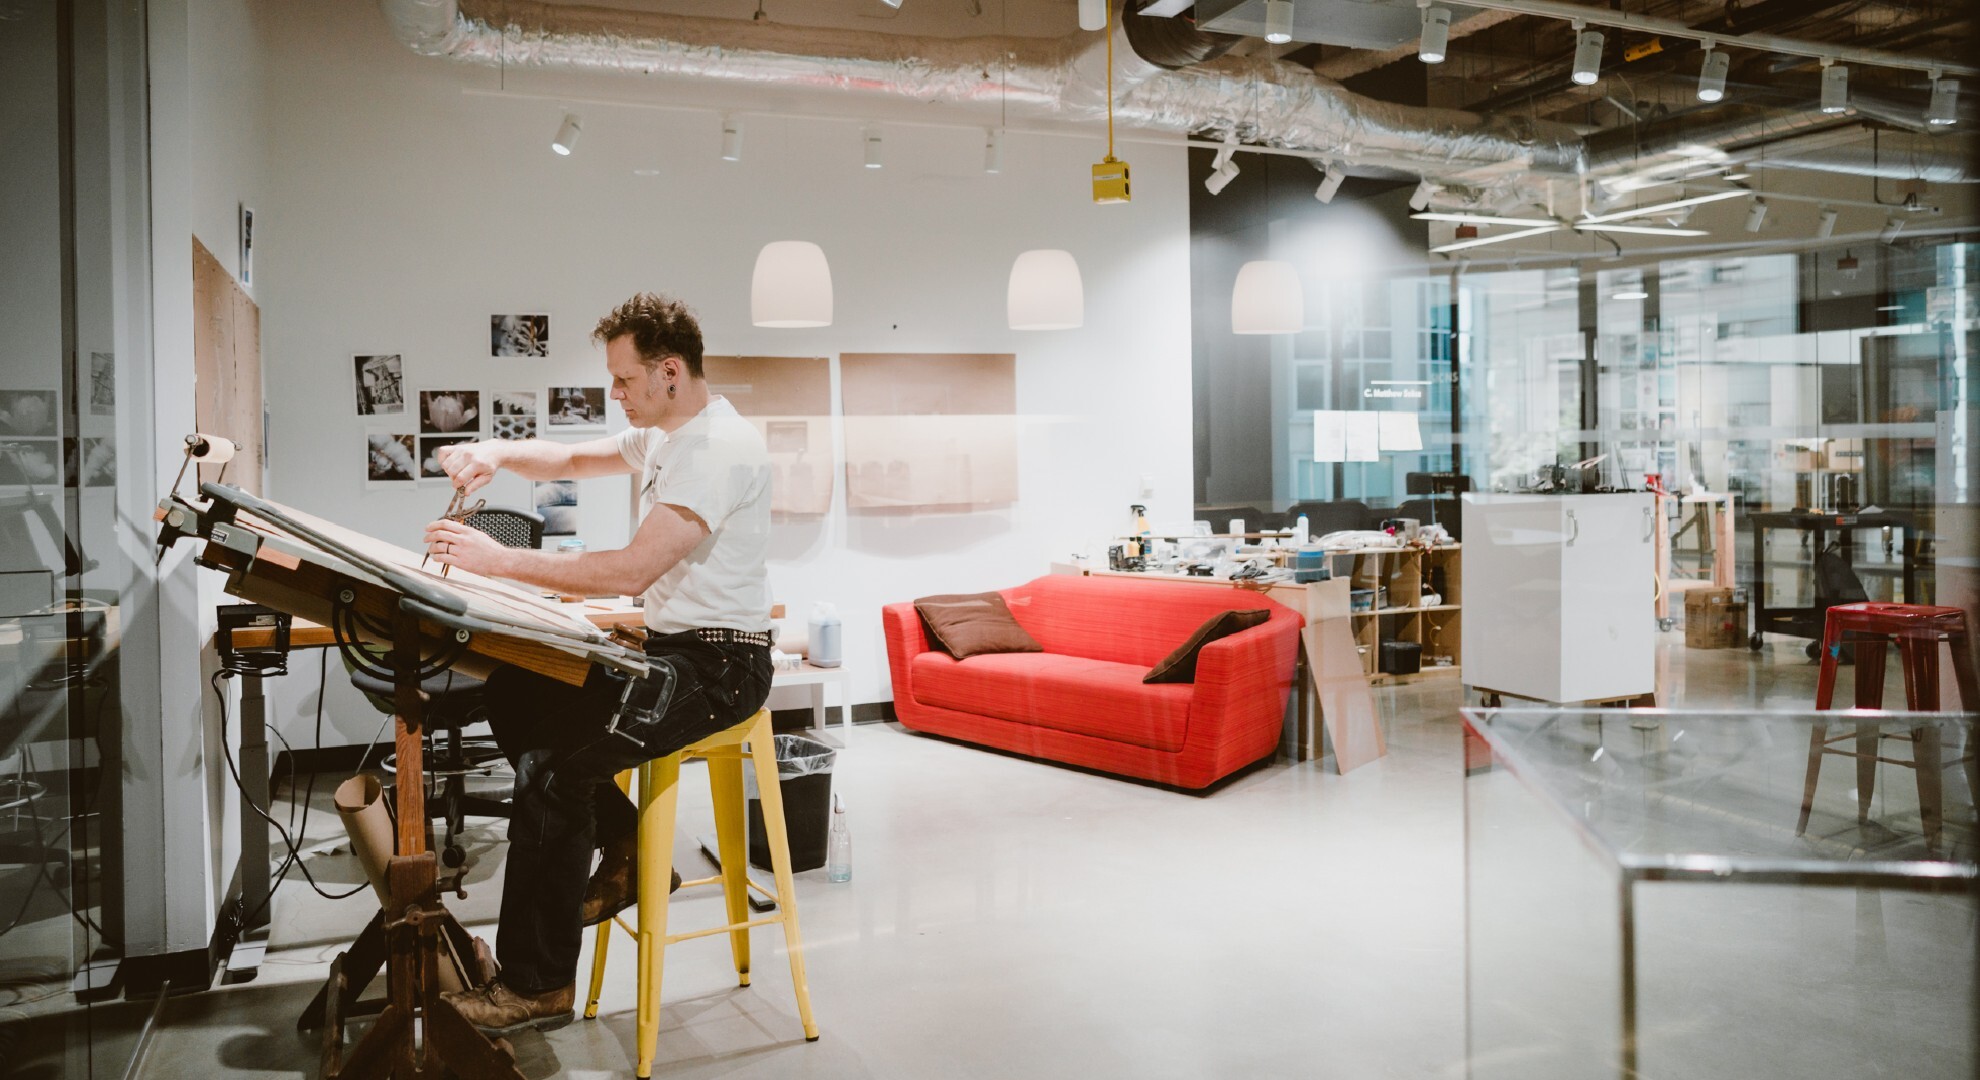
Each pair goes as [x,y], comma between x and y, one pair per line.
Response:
[670,390]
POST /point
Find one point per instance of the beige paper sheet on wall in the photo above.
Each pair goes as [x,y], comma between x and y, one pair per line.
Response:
[789,399]
[929,430]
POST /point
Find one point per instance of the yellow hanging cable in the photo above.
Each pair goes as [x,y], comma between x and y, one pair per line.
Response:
[1110,176]
[1108,28]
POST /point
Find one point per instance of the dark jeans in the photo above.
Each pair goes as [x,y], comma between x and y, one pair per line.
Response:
[566,805]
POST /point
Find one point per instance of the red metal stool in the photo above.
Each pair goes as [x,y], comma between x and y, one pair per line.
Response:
[1917,629]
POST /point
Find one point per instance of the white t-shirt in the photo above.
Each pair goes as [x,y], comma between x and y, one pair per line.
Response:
[716,466]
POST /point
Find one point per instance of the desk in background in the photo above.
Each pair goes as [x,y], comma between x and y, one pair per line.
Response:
[1806,622]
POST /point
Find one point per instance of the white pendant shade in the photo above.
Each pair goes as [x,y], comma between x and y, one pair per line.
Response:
[1045,292]
[1267,299]
[792,286]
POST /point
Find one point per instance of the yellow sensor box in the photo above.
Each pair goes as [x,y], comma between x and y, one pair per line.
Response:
[1110,181]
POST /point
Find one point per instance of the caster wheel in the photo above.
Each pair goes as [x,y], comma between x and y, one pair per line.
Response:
[1813,650]
[453,857]
[1666,625]
[1755,642]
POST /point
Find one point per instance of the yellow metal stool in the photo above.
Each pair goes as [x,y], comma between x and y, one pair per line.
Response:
[659,789]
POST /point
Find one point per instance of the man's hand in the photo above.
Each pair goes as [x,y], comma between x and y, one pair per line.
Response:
[473,464]
[451,543]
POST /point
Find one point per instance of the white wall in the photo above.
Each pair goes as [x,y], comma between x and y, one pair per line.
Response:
[402,211]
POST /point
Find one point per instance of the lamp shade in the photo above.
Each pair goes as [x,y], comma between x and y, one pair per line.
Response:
[792,286]
[1045,292]
[1267,299]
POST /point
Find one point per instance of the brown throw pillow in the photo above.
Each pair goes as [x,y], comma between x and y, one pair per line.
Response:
[1180,666]
[971,624]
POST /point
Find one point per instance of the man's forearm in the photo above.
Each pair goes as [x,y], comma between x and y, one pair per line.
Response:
[590,573]
[536,459]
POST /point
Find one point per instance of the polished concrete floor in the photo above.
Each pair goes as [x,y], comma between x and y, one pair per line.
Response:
[1009,918]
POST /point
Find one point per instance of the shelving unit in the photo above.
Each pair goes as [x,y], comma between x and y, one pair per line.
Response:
[1400,574]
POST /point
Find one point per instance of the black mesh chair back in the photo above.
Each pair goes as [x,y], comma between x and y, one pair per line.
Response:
[1219,517]
[1446,512]
[509,527]
[1340,515]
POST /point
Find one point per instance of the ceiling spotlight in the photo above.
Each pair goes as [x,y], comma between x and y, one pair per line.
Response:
[1330,184]
[874,155]
[1892,227]
[1278,21]
[1420,198]
[1835,86]
[1587,55]
[1436,33]
[993,150]
[731,139]
[1712,75]
[1221,177]
[1756,216]
[1944,109]
[1825,226]
[1092,14]
[567,135]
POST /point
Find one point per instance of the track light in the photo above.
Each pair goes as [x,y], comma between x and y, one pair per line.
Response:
[1330,184]
[1420,198]
[567,135]
[1756,216]
[1436,33]
[1587,55]
[1944,109]
[993,150]
[1835,86]
[1892,227]
[1712,75]
[1221,177]
[1092,14]
[1825,225]
[731,139]
[1278,21]
[874,155]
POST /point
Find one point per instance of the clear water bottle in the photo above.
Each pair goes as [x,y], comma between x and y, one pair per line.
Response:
[838,845]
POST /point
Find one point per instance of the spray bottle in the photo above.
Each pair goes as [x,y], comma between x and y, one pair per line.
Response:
[1137,545]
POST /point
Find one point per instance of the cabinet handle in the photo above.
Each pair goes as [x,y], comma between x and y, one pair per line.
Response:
[1648,529]
[1574,529]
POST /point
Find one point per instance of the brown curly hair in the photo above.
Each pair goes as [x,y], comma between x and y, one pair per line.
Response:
[660,327]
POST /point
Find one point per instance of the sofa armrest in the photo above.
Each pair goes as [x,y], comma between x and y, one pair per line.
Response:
[905,640]
[1242,680]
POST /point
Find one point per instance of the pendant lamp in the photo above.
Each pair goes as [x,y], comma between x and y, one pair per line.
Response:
[792,286]
[1045,292]
[1267,299]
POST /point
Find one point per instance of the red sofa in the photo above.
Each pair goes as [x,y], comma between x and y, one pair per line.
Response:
[1082,701]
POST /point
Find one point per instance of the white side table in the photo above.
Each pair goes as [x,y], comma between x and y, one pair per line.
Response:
[815,678]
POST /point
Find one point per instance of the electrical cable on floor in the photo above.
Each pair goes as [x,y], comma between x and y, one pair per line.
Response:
[281,873]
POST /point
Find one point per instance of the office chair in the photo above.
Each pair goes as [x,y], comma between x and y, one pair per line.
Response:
[454,702]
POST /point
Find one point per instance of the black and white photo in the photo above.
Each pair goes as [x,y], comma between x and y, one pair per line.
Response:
[576,408]
[98,467]
[389,459]
[381,387]
[102,384]
[449,412]
[28,412]
[30,461]
[429,454]
[557,501]
[519,335]
[512,414]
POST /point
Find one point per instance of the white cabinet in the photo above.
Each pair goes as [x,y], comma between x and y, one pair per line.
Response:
[1559,595]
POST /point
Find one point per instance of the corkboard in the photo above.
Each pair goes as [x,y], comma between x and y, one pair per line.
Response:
[226,368]
[789,399]
[930,431]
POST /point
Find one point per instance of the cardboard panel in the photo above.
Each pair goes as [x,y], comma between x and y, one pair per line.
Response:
[930,431]
[227,369]
[789,399]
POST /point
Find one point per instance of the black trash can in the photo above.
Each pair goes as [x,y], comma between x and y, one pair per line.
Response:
[804,777]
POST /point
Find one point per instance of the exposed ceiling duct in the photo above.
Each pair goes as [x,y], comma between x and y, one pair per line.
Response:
[1482,159]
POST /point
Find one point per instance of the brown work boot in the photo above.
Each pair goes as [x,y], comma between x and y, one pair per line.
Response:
[614,887]
[499,1010]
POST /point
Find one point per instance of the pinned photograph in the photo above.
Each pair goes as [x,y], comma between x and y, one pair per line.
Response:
[98,467]
[519,335]
[389,459]
[575,408]
[429,454]
[448,412]
[557,501]
[102,384]
[29,461]
[381,388]
[512,414]
[27,412]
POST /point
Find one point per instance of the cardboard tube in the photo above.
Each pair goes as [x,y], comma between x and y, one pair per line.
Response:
[361,805]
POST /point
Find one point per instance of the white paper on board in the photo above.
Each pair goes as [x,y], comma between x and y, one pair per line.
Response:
[1399,431]
[1329,435]
[1364,437]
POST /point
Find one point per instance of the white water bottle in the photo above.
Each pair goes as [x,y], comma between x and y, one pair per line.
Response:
[838,845]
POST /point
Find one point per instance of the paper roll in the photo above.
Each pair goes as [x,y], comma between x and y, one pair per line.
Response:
[361,805]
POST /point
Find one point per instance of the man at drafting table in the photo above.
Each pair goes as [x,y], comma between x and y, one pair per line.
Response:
[698,559]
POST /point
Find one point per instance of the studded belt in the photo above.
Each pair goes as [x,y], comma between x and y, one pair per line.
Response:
[721,635]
